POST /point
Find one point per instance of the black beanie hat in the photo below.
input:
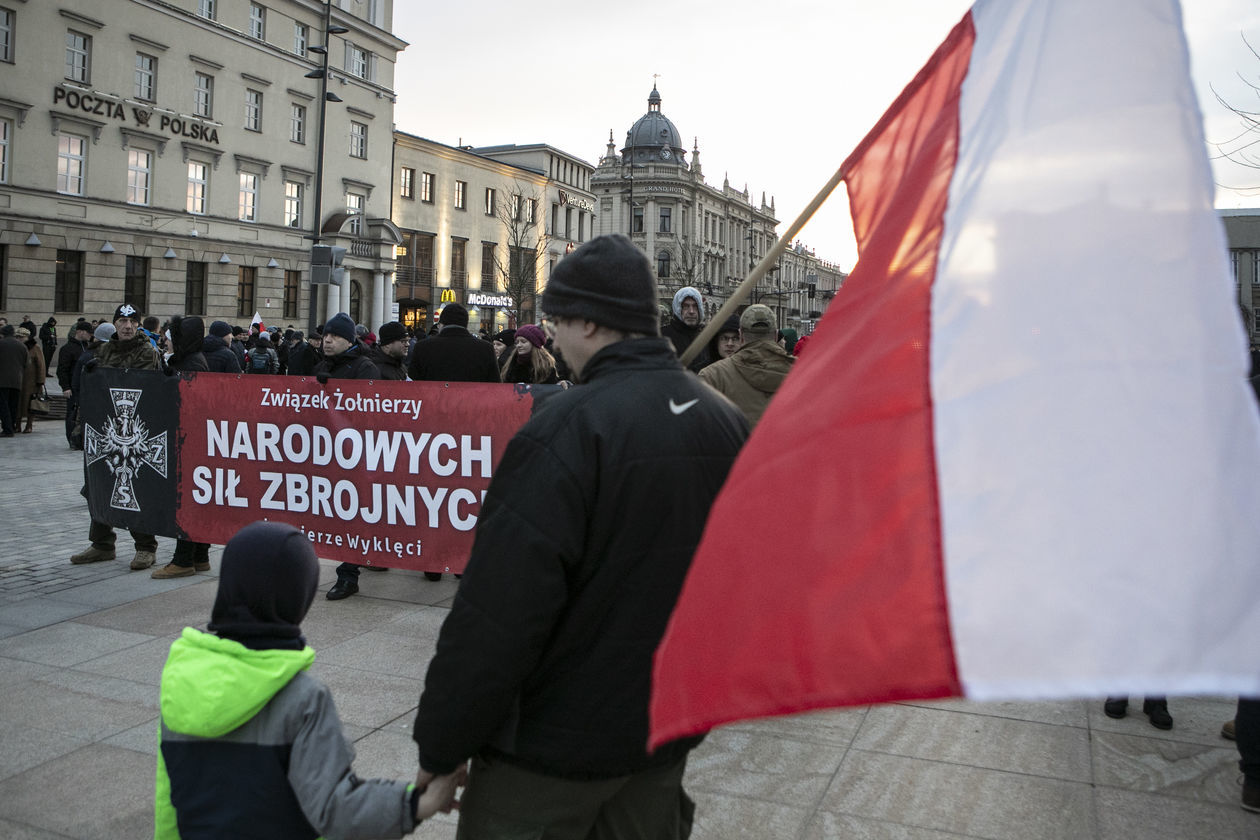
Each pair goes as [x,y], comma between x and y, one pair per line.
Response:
[609,281]
[453,315]
[390,332]
[126,311]
[341,325]
[267,582]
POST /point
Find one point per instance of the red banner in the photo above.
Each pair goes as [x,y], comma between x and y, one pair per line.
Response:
[377,473]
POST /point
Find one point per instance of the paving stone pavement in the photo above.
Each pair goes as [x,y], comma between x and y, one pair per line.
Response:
[82,647]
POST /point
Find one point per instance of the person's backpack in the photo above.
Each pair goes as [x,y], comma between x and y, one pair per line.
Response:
[259,361]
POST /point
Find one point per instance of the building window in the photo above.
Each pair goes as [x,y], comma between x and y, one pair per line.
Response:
[407,182]
[78,54]
[245,277]
[292,290]
[461,192]
[203,96]
[531,210]
[301,38]
[426,187]
[666,220]
[136,283]
[206,9]
[253,110]
[459,268]
[249,198]
[354,206]
[195,288]
[257,22]
[568,223]
[662,265]
[197,175]
[146,77]
[581,226]
[357,62]
[489,201]
[292,204]
[636,223]
[6,35]
[297,123]
[358,139]
[139,175]
[6,131]
[424,257]
[71,163]
[487,267]
[68,282]
[516,207]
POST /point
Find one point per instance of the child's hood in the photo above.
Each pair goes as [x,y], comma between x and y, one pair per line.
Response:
[211,686]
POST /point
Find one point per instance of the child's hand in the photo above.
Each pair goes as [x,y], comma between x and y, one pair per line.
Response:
[439,793]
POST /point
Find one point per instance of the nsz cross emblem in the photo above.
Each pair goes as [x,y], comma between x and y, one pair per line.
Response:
[124,444]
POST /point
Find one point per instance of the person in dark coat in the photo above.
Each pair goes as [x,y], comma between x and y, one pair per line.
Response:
[188,336]
[238,345]
[217,349]
[688,308]
[543,666]
[529,363]
[306,353]
[70,352]
[391,347]
[344,358]
[48,338]
[13,360]
[454,354]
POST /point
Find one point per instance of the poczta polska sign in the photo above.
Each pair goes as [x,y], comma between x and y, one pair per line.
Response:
[102,106]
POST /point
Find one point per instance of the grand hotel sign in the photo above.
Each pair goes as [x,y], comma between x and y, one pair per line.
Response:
[84,102]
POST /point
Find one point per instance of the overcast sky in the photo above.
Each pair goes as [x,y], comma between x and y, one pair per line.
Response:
[777,93]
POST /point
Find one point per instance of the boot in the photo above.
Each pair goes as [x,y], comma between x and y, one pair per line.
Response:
[143,560]
[92,555]
[1157,710]
[1116,707]
[170,570]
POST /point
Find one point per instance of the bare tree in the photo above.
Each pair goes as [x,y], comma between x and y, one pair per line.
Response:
[688,259]
[526,238]
[1244,148]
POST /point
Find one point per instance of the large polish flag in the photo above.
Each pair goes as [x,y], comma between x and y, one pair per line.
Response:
[1021,458]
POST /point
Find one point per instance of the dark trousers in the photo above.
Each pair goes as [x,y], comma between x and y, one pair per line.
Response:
[503,802]
[72,412]
[10,400]
[102,537]
[1247,733]
[189,554]
[349,571]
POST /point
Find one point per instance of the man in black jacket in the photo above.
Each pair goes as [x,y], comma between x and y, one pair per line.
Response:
[543,666]
[217,349]
[391,347]
[455,354]
[344,358]
[66,357]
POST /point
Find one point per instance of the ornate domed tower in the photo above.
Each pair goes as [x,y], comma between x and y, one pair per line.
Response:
[653,138]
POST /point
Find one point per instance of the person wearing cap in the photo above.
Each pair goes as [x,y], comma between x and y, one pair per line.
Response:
[217,349]
[726,342]
[454,354]
[530,363]
[127,348]
[344,358]
[752,374]
[503,342]
[542,668]
[13,357]
[305,352]
[70,352]
[688,323]
[390,350]
[33,379]
[100,334]
[237,344]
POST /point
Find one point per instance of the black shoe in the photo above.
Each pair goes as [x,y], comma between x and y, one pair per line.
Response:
[1157,711]
[433,575]
[1251,796]
[342,589]
[1116,707]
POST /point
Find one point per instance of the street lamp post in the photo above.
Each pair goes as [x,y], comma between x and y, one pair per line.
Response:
[325,96]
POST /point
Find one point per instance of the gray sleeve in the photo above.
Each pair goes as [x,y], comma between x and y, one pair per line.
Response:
[338,804]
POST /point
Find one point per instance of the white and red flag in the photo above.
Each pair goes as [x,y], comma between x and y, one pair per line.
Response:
[258,322]
[1021,458]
